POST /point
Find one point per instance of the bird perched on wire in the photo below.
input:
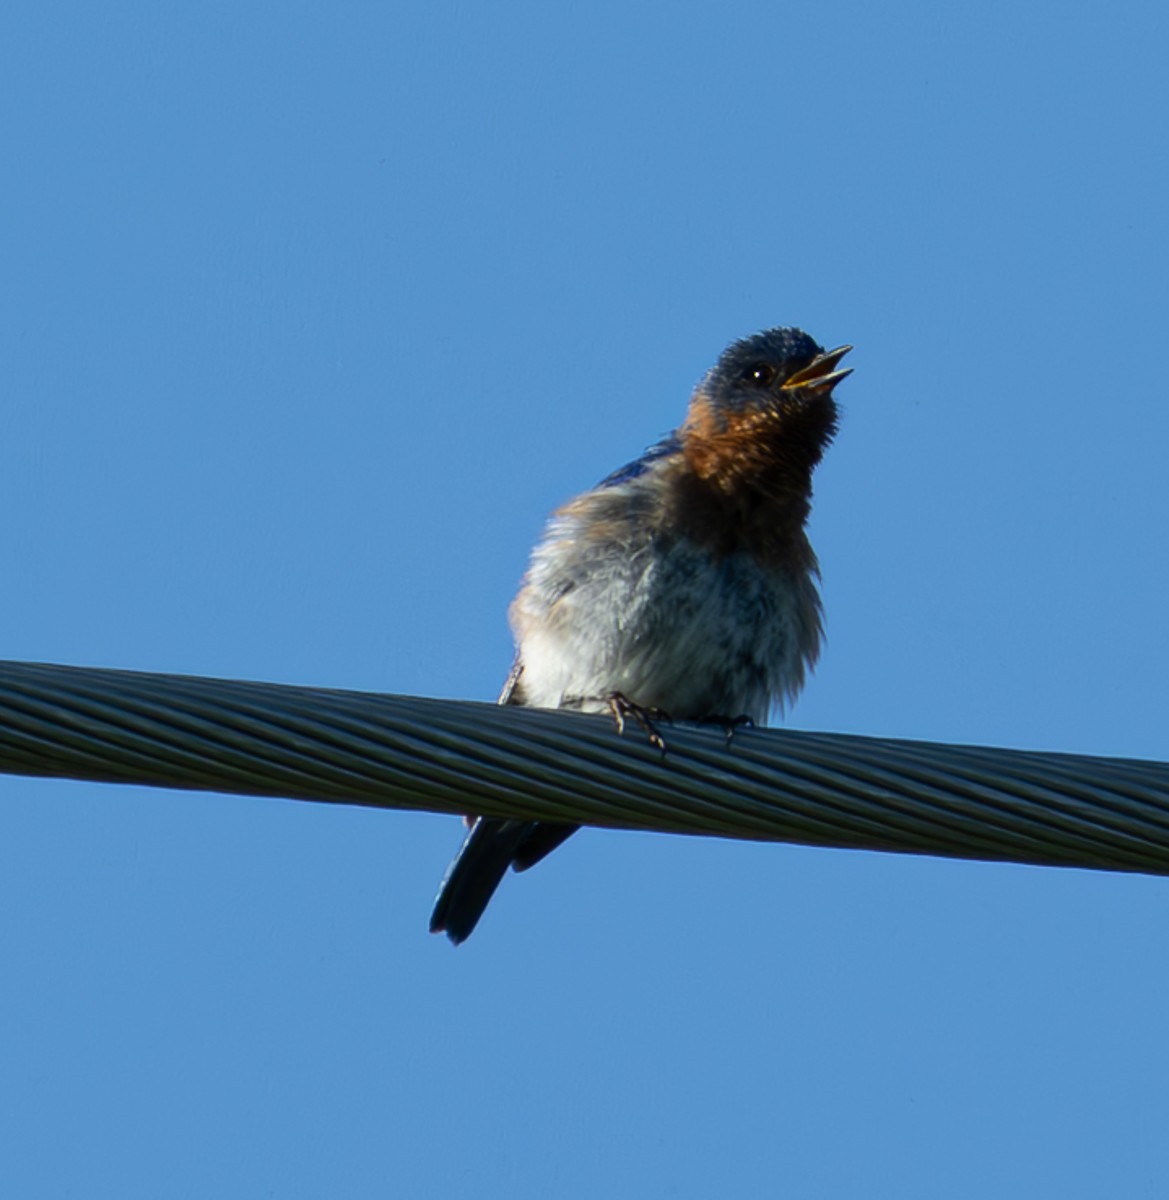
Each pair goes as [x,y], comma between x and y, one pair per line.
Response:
[683,584]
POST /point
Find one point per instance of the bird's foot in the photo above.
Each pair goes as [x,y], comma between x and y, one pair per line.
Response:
[621,707]
[730,725]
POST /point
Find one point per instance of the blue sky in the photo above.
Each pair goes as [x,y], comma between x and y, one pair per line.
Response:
[309,315]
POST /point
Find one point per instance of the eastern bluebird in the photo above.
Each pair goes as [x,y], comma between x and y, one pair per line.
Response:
[683,582]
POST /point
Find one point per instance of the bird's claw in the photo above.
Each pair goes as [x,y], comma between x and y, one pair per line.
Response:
[621,707]
[730,725]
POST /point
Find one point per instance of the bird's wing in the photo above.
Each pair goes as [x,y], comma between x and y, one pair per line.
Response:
[511,693]
[669,445]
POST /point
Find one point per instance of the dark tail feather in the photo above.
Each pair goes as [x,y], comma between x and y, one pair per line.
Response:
[478,868]
[542,840]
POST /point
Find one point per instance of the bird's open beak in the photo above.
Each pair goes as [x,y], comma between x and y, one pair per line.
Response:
[818,376]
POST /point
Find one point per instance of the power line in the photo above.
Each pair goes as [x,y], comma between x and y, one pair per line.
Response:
[458,756]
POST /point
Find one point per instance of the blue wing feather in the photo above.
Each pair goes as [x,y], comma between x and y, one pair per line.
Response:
[669,445]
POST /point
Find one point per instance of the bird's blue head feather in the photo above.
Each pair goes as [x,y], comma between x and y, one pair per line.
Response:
[753,370]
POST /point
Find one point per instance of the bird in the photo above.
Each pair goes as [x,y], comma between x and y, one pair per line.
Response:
[681,585]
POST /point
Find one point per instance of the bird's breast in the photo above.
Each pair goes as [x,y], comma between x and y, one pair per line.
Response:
[737,512]
[665,620]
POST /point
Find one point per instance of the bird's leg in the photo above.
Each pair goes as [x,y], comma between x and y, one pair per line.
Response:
[729,725]
[621,707]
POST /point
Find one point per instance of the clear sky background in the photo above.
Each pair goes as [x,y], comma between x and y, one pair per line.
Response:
[309,313]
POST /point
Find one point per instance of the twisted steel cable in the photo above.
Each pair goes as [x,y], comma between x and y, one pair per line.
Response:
[458,756]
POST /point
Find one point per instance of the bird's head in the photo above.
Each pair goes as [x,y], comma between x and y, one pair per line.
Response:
[764,409]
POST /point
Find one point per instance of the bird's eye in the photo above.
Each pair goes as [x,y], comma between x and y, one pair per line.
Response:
[760,374]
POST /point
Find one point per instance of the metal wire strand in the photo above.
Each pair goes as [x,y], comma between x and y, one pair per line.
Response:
[456,756]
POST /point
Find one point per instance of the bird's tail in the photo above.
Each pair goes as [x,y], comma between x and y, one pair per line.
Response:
[475,873]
